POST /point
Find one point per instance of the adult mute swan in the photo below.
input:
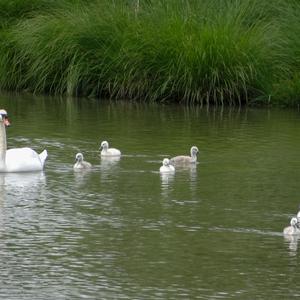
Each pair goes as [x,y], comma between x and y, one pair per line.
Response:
[166,167]
[106,151]
[185,159]
[293,229]
[80,163]
[18,159]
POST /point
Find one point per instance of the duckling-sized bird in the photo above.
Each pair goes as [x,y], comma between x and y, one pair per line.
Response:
[166,167]
[106,151]
[80,163]
[292,229]
[185,159]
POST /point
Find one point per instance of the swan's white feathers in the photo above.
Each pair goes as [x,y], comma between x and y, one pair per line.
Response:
[24,160]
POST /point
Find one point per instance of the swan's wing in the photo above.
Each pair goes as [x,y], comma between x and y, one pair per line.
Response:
[43,156]
[23,160]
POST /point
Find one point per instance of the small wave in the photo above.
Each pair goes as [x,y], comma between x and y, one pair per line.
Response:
[248,230]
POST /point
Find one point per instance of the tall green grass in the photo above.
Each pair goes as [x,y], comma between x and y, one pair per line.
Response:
[207,52]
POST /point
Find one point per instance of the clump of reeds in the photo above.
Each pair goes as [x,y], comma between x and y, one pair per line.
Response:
[221,52]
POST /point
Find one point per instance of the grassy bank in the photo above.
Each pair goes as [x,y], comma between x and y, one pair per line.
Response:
[194,51]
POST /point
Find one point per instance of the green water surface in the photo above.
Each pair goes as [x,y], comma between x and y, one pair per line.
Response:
[123,231]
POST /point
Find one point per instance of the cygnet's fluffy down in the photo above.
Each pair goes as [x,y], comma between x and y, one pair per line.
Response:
[166,167]
[292,229]
[185,159]
[80,164]
[106,151]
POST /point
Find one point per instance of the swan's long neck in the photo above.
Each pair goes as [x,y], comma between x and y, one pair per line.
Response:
[3,145]
[193,156]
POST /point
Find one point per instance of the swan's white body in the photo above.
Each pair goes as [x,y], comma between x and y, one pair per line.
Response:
[292,229]
[185,159]
[80,163]
[18,159]
[166,167]
[106,151]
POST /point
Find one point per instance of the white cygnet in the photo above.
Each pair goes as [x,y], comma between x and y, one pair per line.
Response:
[292,229]
[106,151]
[80,163]
[166,167]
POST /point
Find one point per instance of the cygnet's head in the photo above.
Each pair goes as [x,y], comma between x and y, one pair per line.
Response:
[194,150]
[79,157]
[166,162]
[104,145]
[294,221]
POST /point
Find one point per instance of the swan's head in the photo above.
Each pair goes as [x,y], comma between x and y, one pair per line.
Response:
[194,150]
[79,157]
[294,221]
[3,117]
[104,145]
[166,162]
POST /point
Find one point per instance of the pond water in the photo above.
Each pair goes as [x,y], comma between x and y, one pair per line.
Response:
[123,231]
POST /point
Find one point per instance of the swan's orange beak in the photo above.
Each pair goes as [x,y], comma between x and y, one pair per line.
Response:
[6,122]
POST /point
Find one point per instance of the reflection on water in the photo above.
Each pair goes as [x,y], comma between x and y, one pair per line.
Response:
[25,180]
[292,241]
[166,181]
[108,163]
[109,167]
[24,184]
[82,176]
[17,189]
[193,172]
[124,231]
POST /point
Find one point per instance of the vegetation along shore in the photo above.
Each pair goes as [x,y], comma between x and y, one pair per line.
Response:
[192,51]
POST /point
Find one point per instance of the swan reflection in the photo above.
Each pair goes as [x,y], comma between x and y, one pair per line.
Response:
[292,241]
[107,163]
[19,187]
[27,180]
[109,166]
[166,181]
[23,186]
[82,176]
[109,160]
[193,172]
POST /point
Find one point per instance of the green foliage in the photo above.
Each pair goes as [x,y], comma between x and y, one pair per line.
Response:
[194,51]
[287,91]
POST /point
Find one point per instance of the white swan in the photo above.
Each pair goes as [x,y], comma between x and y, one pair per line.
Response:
[292,229]
[166,167]
[185,159]
[18,159]
[80,163]
[106,151]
